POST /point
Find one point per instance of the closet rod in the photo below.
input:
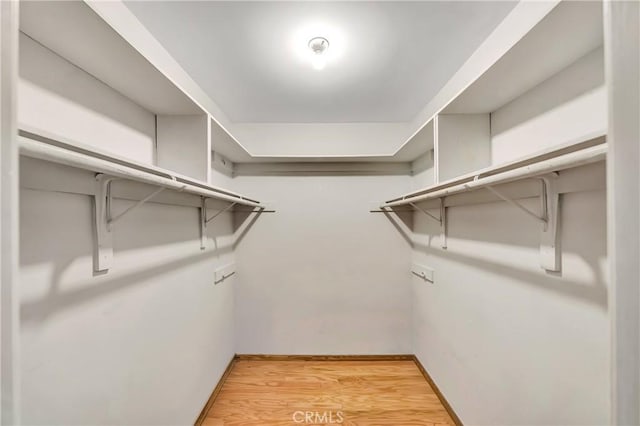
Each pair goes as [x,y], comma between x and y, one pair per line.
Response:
[43,151]
[574,159]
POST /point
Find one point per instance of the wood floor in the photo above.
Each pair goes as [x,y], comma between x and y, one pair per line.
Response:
[289,392]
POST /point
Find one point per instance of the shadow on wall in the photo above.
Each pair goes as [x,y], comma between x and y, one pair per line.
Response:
[154,240]
[424,238]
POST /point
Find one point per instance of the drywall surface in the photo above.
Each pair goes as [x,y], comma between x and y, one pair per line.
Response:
[221,173]
[311,139]
[463,144]
[323,275]
[566,107]
[182,145]
[423,171]
[63,100]
[506,342]
[143,344]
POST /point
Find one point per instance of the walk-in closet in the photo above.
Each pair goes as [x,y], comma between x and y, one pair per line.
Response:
[317,212]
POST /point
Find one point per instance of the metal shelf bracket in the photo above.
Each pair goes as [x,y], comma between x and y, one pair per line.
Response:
[540,218]
[550,236]
[442,220]
[204,220]
[548,219]
[104,220]
[103,237]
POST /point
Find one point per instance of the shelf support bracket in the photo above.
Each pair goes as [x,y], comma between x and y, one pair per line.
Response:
[548,220]
[204,220]
[104,219]
[443,224]
[518,205]
[550,236]
[112,219]
[219,212]
[442,220]
[437,219]
[203,223]
[103,237]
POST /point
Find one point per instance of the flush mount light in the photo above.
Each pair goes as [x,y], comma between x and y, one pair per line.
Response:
[318,46]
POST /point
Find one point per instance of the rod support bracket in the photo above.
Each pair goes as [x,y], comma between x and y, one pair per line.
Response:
[442,220]
[547,219]
[103,237]
[204,220]
[104,220]
[443,224]
[550,251]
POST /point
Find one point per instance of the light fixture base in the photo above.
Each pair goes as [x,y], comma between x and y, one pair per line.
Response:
[318,45]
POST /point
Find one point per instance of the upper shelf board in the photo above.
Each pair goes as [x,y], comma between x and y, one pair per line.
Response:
[75,32]
[588,142]
[570,31]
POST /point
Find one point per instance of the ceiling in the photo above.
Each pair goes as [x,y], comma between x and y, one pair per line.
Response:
[388,59]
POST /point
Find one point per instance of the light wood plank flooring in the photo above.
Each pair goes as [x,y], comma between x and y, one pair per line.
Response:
[268,392]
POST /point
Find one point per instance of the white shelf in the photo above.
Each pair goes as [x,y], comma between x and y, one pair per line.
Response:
[75,32]
[87,158]
[107,169]
[80,80]
[570,155]
[422,142]
[552,66]
[542,169]
[569,32]
[222,143]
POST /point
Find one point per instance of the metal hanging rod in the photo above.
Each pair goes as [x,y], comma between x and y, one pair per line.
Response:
[109,169]
[204,220]
[535,170]
[442,220]
[101,164]
[546,171]
[383,210]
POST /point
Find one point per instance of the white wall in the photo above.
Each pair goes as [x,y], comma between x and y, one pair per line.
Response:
[567,107]
[221,173]
[9,219]
[622,36]
[506,342]
[143,344]
[423,171]
[334,139]
[61,99]
[463,144]
[183,145]
[323,275]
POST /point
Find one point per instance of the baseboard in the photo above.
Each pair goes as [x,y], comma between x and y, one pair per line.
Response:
[216,391]
[269,357]
[441,397]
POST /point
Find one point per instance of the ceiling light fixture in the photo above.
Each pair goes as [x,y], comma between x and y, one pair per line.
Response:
[318,46]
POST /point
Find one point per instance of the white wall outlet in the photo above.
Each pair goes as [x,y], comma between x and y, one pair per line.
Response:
[423,272]
[224,272]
